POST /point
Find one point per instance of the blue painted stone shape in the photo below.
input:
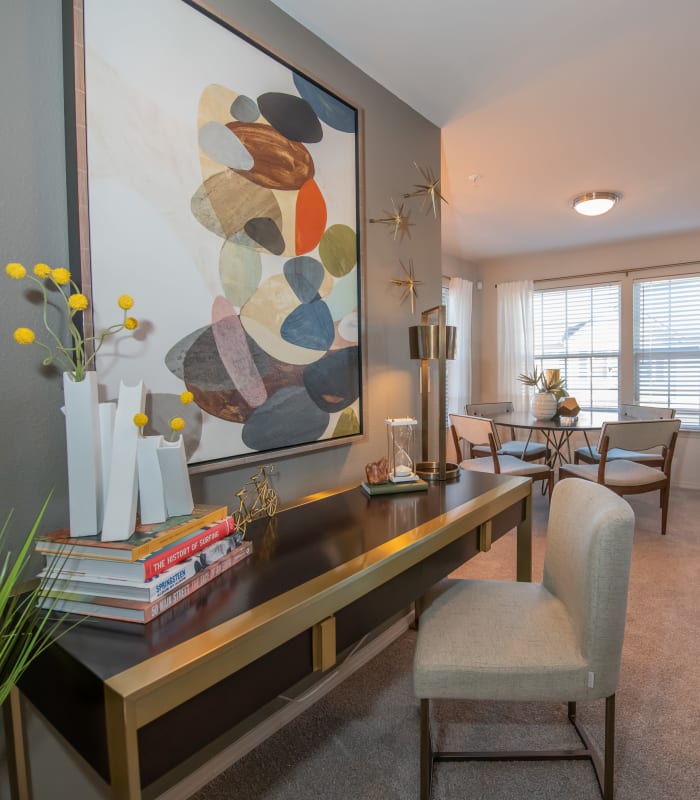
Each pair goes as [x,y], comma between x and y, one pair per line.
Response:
[305,276]
[333,382]
[223,146]
[291,116]
[329,109]
[245,109]
[310,325]
[265,232]
[287,418]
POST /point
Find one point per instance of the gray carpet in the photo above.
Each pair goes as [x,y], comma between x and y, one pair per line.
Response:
[361,740]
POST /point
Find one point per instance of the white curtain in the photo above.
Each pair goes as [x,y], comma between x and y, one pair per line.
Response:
[459,371]
[515,346]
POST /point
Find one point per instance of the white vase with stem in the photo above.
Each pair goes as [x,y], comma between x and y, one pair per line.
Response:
[544,405]
[83,451]
[176,478]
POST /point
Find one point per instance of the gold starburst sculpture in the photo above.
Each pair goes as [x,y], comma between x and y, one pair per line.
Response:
[398,219]
[408,283]
[429,191]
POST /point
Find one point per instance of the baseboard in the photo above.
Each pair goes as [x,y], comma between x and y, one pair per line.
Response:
[290,705]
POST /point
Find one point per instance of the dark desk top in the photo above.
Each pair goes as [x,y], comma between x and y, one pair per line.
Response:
[299,544]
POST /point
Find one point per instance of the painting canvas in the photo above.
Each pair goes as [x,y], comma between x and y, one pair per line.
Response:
[222,188]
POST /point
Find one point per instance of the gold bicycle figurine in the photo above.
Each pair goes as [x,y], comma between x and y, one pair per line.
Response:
[257,498]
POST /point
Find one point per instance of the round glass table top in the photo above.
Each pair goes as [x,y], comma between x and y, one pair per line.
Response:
[584,421]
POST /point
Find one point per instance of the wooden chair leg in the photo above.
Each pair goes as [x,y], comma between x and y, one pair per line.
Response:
[426,754]
[664,509]
[609,756]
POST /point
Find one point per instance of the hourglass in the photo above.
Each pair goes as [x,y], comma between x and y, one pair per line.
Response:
[401,441]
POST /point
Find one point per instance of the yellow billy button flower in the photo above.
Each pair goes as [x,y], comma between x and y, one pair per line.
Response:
[16,271]
[140,420]
[24,336]
[131,323]
[125,302]
[42,270]
[177,423]
[61,276]
[78,302]
[186,398]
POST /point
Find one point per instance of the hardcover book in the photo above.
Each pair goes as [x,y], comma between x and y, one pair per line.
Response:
[133,610]
[80,583]
[146,539]
[144,568]
[372,489]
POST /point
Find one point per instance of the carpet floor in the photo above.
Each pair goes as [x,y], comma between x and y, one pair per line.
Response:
[361,740]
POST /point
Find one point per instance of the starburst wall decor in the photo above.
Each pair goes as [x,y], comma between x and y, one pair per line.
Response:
[408,283]
[398,220]
[429,191]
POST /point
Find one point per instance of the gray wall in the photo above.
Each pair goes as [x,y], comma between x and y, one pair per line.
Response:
[33,227]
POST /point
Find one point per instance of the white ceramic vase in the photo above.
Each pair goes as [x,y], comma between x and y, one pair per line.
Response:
[544,405]
[151,494]
[122,493]
[176,478]
[81,410]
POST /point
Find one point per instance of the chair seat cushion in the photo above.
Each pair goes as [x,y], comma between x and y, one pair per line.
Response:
[499,640]
[616,453]
[515,448]
[509,466]
[617,473]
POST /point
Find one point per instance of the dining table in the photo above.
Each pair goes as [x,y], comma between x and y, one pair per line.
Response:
[558,430]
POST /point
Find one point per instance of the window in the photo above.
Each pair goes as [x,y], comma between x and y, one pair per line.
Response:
[577,330]
[667,345]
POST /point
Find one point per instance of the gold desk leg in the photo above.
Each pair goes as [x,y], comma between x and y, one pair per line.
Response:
[524,543]
[16,744]
[323,642]
[122,746]
[485,536]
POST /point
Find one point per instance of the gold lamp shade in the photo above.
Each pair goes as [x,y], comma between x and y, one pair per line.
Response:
[424,341]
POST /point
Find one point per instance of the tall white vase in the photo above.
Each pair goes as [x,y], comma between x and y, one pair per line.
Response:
[122,492]
[85,498]
[176,478]
[151,494]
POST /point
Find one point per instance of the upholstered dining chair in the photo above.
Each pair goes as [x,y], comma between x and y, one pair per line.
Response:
[476,430]
[559,640]
[525,449]
[590,455]
[626,476]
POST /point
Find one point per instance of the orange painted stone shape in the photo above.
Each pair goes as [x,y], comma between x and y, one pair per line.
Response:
[311,217]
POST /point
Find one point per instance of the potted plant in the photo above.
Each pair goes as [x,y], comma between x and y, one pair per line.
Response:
[549,386]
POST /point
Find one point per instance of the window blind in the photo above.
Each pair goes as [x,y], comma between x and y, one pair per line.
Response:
[667,345]
[577,330]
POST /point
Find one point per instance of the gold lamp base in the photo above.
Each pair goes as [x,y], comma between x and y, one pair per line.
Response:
[430,470]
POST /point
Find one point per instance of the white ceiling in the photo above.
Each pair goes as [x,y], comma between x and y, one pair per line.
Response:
[543,99]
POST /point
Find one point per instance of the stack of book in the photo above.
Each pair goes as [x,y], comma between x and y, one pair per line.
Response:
[140,578]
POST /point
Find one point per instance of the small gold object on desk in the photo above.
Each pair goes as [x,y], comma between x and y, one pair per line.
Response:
[256,499]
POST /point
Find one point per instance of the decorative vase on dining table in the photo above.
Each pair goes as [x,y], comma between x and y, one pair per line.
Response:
[544,405]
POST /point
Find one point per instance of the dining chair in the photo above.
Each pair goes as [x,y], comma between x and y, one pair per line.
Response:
[527,450]
[476,430]
[625,476]
[559,640]
[590,455]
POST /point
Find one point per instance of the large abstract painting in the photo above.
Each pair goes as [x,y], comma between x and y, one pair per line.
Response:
[222,188]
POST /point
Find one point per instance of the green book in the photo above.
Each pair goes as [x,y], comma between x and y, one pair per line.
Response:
[373,489]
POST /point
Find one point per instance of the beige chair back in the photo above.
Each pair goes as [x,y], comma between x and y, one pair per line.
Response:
[488,409]
[646,412]
[640,434]
[475,430]
[587,563]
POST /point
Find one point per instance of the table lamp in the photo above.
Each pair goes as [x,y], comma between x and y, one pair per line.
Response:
[433,342]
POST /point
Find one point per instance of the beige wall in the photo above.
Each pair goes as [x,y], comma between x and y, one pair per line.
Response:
[662,250]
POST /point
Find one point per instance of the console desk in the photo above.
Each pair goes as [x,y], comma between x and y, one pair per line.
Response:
[323,573]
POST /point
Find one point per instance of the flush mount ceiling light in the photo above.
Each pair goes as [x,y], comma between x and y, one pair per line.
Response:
[591,204]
